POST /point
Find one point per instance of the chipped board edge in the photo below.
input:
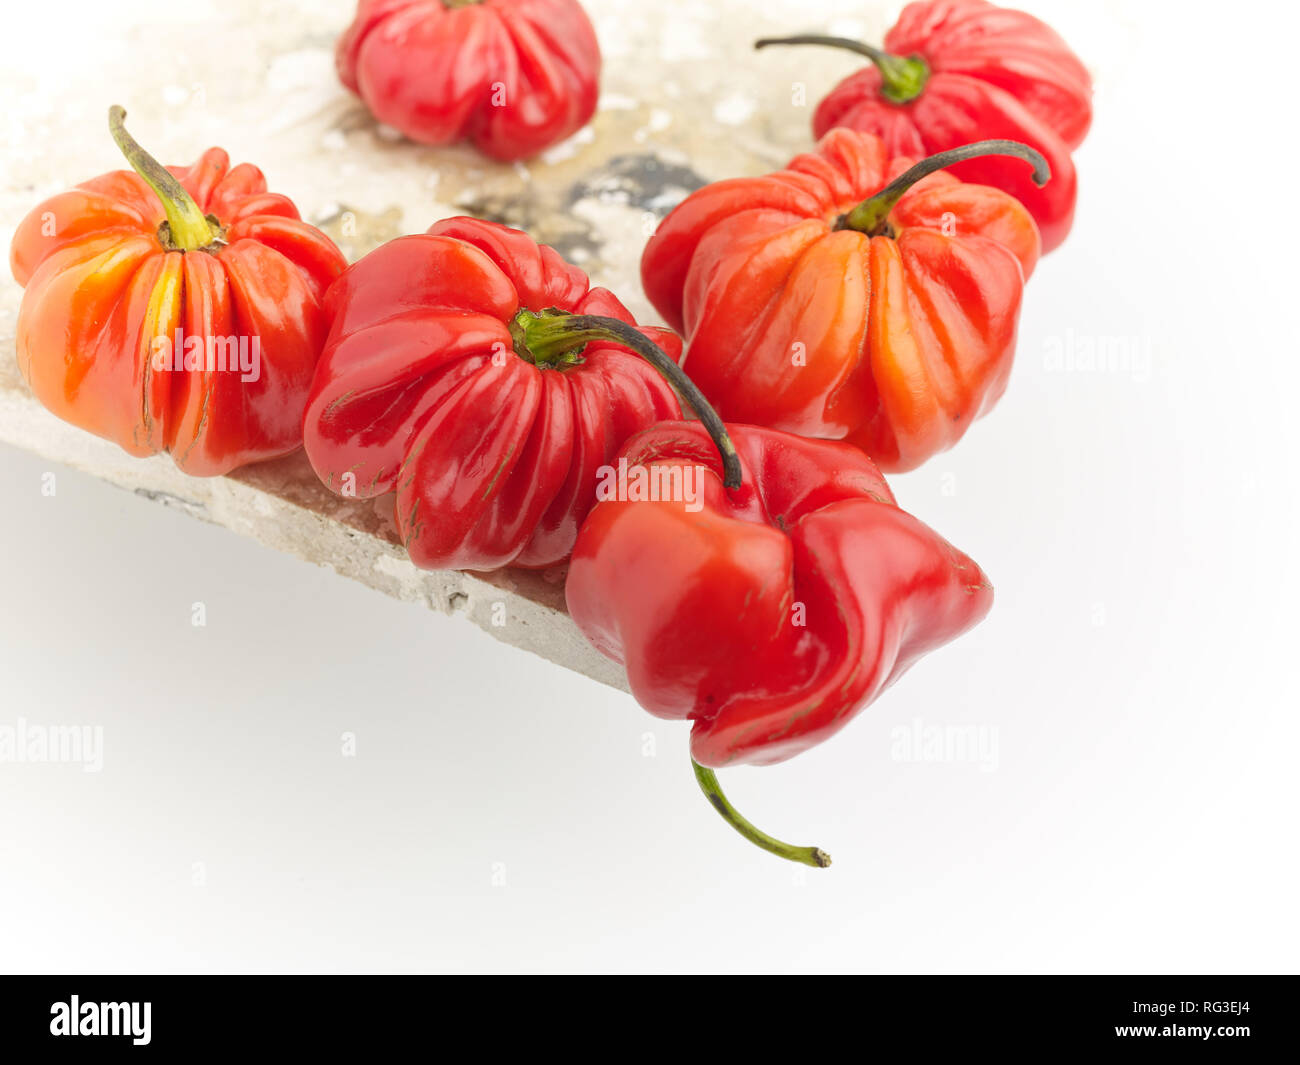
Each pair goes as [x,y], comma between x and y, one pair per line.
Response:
[301,532]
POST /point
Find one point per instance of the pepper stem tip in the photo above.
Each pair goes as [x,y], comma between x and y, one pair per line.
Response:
[187,228]
[871,215]
[708,781]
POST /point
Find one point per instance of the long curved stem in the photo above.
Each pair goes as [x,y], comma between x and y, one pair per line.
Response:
[548,336]
[187,227]
[902,77]
[869,216]
[708,781]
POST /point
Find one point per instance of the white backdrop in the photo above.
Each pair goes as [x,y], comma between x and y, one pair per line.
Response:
[1134,808]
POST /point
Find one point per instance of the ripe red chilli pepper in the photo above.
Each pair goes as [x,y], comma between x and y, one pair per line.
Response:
[174,309]
[478,376]
[771,614]
[956,71]
[850,296]
[512,76]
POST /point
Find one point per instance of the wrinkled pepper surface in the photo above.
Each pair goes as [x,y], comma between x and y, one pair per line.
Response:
[174,309]
[480,377]
[852,295]
[764,587]
[771,614]
[511,76]
[956,71]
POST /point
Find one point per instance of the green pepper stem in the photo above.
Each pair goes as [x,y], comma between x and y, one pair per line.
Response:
[870,215]
[708,781]
[902,77]
[554,337]
[187,227]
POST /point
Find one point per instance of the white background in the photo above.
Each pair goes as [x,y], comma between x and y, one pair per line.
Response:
[1138,669]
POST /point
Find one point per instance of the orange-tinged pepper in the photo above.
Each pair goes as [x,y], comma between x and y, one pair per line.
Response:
[851,296]
[174,309]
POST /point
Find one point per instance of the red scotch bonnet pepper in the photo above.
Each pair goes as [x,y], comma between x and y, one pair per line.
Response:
[174,309]
[512,76]
[480,377]
[957,71]
[852,295]
[771,614]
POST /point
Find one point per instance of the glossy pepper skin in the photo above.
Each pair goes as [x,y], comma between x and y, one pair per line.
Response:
[104,281]
[956,71]
[512,76]
[773,614]
[894,342]
[427,388]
